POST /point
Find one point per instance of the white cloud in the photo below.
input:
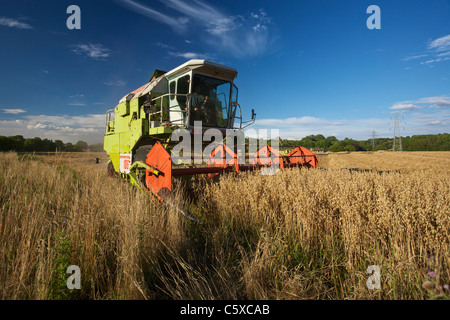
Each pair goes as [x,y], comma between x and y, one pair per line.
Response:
[94,51]
[76,104]
[177,24]
[302,121]
[190,55]
[436,102]
[444,54]
[164,46]
[435,60]
[436,123]
[359,129]
[242,35]
[427,102]
[440,44]
[115,83]
[13,111]
[14,23]
[235,34]
[297,128]
[90,120]
[429,115]
[89,128]
[415,57]
[438,51]
[404,106]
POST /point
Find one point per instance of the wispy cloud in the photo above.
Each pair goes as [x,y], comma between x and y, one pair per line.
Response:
[428,115]
[299,127]
[238,35]
[417,122]
[191,55]
[94,51]
[164,46]
[404,106]
[427,102]
[415,57]
[77,96]
[66,122]
[115,83]
[436,123]
[13,111]
[177,24]
[440,44]
[88,127]
[441,50]
[14,23]
[436,102]
[242,35]
[438,50]
[77,104]
[430,61]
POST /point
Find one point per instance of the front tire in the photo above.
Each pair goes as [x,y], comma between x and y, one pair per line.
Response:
[111,171]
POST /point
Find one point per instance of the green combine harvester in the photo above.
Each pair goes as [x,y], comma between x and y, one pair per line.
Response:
[140,130]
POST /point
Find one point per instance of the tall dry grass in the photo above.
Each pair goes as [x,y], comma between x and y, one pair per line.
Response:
[316,232]
[300,234]
[56,213]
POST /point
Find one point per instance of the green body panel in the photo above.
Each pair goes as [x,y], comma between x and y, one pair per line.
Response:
[111,145]
[130,129]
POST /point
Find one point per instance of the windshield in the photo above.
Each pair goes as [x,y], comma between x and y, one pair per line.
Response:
[210,101]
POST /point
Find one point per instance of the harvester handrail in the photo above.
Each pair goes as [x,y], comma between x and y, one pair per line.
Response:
[108,119]
[163,109]
[247,123]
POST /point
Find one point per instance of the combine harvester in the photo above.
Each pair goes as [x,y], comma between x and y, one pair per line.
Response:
[140,130]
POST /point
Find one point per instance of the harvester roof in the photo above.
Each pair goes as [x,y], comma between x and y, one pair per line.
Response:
[206,66]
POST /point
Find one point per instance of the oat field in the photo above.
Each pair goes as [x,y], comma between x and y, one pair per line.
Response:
[299,234]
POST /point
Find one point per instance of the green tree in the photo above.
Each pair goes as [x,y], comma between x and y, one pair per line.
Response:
[33,144]
[59,145]
[81,146]
[336,146]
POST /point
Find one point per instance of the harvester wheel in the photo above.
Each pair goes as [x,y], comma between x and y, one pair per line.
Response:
[111,170]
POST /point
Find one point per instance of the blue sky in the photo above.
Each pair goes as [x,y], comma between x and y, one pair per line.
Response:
[306,67]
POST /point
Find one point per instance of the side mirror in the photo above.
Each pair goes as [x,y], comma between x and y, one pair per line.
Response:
[253,114]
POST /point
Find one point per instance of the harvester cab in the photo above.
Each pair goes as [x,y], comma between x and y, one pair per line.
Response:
[139,137]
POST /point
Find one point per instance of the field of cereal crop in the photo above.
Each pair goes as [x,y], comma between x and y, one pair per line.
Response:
[299,234]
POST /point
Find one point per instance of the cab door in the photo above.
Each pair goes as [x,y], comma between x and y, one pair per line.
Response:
[178,90]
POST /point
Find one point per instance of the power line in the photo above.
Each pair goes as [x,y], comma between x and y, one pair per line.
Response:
[373,139]
[397,143]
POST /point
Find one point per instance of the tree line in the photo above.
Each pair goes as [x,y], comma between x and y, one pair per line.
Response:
[20,144]
[431,142]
